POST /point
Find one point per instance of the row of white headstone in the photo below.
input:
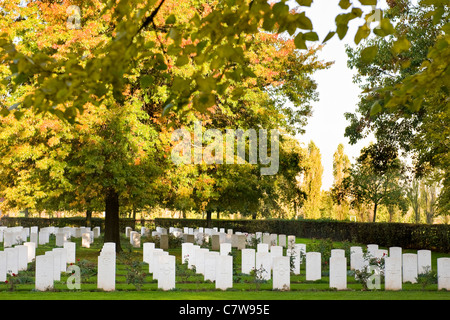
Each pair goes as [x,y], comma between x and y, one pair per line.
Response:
[399,267]
[11,236]
[49,266]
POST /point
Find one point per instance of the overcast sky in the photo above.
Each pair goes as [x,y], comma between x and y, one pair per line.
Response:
[337,93]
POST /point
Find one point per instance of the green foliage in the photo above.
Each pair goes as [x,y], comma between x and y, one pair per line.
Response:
[135,274]
[88,269]
[404,86]
[427,278]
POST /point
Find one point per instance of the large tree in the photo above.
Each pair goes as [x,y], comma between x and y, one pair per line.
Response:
[341,166]
[375,177]
[415,122]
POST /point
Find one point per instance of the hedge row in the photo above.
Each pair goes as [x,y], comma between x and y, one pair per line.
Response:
[408,236]
[71,222]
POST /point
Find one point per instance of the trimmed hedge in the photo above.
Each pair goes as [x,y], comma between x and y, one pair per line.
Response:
[71,222]
[434,237]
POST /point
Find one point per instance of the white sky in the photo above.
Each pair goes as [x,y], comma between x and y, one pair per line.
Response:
[337,93]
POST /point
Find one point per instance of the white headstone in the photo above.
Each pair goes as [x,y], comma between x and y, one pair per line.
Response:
[22,252]
[63,258]
[338,271]
[423,261]
[262,247]
[109,247]
[186,251]
[43,238]
[200,260]
[96,232]
[156,264]
[210,265]
[56,264]
[148,248]
[86,240]
[61,237]
[154,260]
[3,270]
[34,238]
[166,272]
[224,272]
[44,272]
[393,273]
[313,266]
[225,249]
[241,241]
[71,251]
[409,267]
[9,238]
[276,251]
[443,273]
[12,260]
[282,240]
[106,273]
[338,253]
[281,273]
[296,258]
[357,261]
[263,265]
[266,238]
[31,246]
[127,231]
[274,239]
[135,239]
[248,260]
[290,241]
[301,247]
[396,252]
[372,249]
[356,249]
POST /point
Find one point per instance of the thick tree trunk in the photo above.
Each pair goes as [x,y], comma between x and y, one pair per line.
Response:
[208,219]
[375,211]
[112,233]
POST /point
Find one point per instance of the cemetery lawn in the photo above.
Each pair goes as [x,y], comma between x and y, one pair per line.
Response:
[191,286]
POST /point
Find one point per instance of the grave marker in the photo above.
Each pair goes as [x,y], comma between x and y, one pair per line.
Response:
[224,272]
[409,267]
[443,273]
[423,261]
[44,273]
[313,266]
[393,273]
[248,260]
[106,275]
[281,273]
[166,272]
[338,271]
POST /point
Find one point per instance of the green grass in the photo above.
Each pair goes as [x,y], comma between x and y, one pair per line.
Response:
[192,287]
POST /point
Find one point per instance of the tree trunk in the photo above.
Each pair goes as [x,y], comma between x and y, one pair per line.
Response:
[88,218]
[208,219]
[112,233]
[375,211]
[254,215]
[218,215]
